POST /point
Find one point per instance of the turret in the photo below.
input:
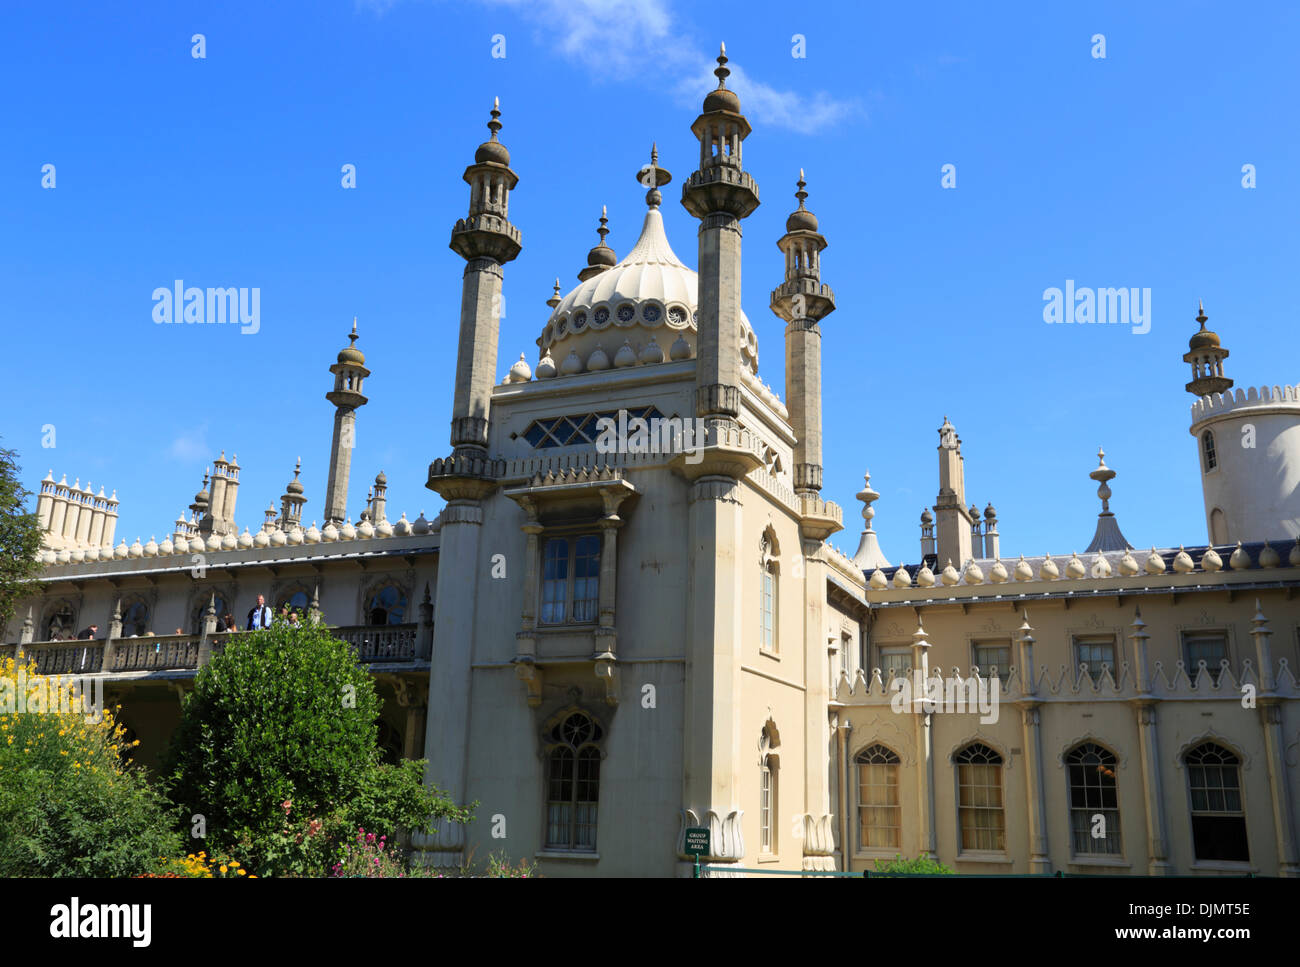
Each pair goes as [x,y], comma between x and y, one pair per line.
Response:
[1206,355]
[720,193]
[486,240]
[379,501]
[292,500]
[601,258]
[953,519]
[803,301]
[349,374]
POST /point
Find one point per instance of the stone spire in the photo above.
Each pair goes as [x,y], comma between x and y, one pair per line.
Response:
[1206,356]
[654,178]
[349,374]
[486,240]
[601,258]
[803,301]
[720,194]
[869,556]
[953,519]
[1107,536]
[292,500]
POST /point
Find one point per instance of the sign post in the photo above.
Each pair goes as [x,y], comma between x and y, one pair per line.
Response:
[697,845]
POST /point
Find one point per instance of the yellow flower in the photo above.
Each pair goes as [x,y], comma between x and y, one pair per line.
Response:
[223,868]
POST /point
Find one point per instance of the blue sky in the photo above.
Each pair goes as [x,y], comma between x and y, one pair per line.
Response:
[225,171]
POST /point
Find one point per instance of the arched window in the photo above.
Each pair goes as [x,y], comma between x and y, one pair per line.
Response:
[296,599]
[573,783]
[61,622]
[880,815]
[769,773]
[387,606]
[769,574]
[135,618]
[1094,800]
[979,799]
[1218,527]
[1218,818]
[200,612]
[1207,451]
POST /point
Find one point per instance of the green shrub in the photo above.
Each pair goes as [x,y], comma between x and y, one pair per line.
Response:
[286,715]
[922,864]
[70,805]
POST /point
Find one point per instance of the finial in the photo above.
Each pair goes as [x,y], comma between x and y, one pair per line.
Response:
[1201,317]
[652,176]
[867,495]
[654,152]
[721,71]
[801,195]
[352,336]
[297,468]
[604,220]
[494,125]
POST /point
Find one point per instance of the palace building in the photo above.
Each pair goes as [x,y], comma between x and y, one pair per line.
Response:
[604,646]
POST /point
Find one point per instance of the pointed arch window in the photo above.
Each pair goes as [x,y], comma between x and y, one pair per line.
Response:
[1094,800]
[1218,817]
[573,782]
[61,624]
[981,814]
[387,606]
[880,814]
[769,576]
[1208,453]
[135,618]
[769,773]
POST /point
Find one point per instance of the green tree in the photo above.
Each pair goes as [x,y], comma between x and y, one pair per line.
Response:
[20,539]
[282,729]
[921,864]
[70,805]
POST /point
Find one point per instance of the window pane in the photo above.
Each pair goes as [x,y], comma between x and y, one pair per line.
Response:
[555,579]
[586,578]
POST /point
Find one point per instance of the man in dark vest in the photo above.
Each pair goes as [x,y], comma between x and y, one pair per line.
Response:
[259,616]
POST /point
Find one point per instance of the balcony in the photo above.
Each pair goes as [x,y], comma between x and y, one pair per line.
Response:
[374,646]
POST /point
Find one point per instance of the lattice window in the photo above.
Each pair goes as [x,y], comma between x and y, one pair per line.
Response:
[571,579]
[580,429]
[387,606]
[989,654]
[979,799]
[1207,450]
[880,814]
[573,783]
[1218,819]
[1094,800]
[1095,651]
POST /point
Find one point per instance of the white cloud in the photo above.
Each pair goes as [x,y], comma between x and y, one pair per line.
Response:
[638,41]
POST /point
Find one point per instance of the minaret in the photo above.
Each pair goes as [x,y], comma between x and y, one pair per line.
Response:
[349,374]
[601,258]
[952,518]
[992,541]
[45,502]
[486,240]
[927,535]
[379,501]
[292,500]
[110,520]
[212,521]
[720,193]
[98,518]
[199,509]
[803,301]
[1206,356]
[232,491]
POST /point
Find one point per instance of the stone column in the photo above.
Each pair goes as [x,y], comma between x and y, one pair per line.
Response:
[1039,855]
[818,839]
[1145,705]
[926,844]
[1270,717]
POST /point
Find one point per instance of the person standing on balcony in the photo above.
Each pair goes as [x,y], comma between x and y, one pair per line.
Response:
[259,616]
[89,634]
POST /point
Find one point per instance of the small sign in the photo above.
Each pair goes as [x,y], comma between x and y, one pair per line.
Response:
[697,841]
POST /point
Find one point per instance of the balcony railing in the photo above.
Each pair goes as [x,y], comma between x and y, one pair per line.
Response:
[381,643]
[372,644]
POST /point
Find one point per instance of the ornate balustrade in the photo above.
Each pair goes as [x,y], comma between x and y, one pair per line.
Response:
[155,653]
[381,643]
[67,657]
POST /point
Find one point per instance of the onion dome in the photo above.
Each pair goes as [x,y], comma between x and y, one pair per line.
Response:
[213,543]
[1074,568]
[312,534]
[229,542]
[1269,557]
[1101,568]
[680,349]
[546,367]
[1024,571]
[403,527]
[973,574]
[365,530]
[384,529]
[598,360]
[572,364]
[493,151]
[925,577]
[1210,561]
[520,372]
[1155,564]
[1049,570]
[329,533]
[878,581]
[1203,338]
[348,531]
[201,498]
[902,579]
[601,257]
[1128,565]
[294,486]
[998,574]
[1183,561]
[722,99]
[927,517]
[261,539]
[381,479]
[279,538]
[949,575]
[653,352]
[420,525]
[245,539]
[151,549]
[626,355]
[296,535]
[801,220]
[165,549]
[990,513]
[1240,560]
[350,353]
